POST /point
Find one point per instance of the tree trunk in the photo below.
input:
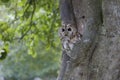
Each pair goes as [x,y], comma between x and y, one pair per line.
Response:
[97,55]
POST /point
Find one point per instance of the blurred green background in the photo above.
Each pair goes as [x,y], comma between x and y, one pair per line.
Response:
[29,42]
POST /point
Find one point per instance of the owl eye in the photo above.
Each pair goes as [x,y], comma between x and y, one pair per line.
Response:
[63,30]
[69,29]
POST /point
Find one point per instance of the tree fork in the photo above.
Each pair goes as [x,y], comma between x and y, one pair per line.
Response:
[71,12]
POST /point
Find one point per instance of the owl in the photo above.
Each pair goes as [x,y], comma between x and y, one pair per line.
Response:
[68,36]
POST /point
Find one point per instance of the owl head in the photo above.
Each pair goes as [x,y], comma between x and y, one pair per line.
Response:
[67,31]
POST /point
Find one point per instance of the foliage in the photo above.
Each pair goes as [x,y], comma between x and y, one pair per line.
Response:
[28,33]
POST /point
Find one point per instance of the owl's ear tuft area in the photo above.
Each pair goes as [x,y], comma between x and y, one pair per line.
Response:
[68,25]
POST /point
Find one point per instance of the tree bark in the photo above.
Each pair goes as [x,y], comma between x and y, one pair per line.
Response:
[106,60]
[97,55]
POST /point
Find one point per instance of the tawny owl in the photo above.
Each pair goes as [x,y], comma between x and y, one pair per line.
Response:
[68,36]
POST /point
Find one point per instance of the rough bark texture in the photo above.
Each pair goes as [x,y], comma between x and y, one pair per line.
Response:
[97,55]
[106,60]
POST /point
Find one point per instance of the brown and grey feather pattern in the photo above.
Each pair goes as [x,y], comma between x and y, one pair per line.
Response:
[68,35]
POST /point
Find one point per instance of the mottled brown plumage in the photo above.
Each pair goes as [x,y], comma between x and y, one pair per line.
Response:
[68,35]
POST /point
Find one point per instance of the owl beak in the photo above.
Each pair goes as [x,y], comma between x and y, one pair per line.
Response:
[65,34]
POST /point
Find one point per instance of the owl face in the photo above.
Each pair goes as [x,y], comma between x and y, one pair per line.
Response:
[67,31]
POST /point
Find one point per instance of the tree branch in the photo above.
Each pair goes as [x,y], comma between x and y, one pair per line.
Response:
[66,11]
[31,18]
